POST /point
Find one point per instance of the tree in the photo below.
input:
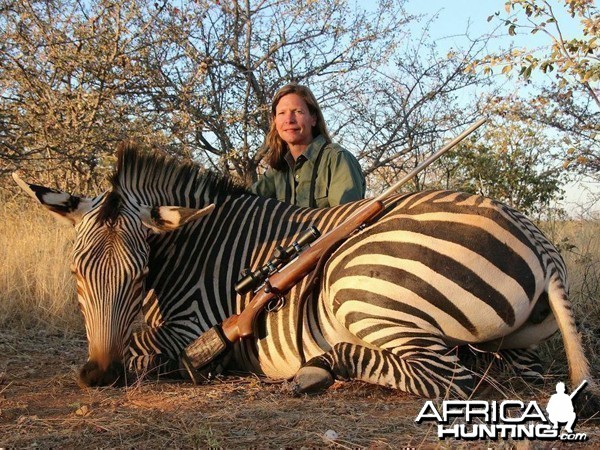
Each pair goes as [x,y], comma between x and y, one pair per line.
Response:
[195,79]
[213,74]
[568,102]
[63,67]
[511,161]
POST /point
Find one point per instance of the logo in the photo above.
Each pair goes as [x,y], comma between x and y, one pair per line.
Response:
[507,419]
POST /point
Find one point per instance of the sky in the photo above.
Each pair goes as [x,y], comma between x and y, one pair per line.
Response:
[454,18]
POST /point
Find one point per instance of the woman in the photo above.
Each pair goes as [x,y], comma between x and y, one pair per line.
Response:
[306,168]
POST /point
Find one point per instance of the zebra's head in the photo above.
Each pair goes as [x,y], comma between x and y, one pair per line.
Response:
[110,259]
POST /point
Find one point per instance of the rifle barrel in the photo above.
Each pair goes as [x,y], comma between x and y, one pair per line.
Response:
[391,190]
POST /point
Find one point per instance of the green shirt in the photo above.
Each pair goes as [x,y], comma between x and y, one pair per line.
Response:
[339,177]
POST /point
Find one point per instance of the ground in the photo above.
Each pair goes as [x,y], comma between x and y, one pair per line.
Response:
[42,406]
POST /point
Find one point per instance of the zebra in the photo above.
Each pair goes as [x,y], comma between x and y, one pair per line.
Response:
[438,271]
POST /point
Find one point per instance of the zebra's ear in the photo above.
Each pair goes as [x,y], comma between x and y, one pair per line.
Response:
[168,218]
[65,208]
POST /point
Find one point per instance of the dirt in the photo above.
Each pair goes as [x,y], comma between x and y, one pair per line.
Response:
[42,406]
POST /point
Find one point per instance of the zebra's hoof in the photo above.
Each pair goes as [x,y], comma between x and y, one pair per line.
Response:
[311,380]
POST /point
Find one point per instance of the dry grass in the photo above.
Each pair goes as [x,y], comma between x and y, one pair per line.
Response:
[36,287]
[41,406]
[579,242]
[42,346]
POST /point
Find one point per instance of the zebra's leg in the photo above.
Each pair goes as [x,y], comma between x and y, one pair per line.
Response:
[153,365]
[154,353]
[414,369]
[522,362]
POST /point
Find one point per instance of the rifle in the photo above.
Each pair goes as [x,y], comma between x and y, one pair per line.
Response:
[278,281]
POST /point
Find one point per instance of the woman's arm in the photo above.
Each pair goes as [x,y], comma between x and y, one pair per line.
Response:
[347,182]
[265,185]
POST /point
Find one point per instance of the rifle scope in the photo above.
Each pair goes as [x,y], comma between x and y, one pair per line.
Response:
[251,280]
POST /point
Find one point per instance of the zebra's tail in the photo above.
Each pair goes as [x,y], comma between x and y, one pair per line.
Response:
[579,368]
[588,404]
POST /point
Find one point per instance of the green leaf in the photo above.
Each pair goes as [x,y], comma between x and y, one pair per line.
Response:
[546,66]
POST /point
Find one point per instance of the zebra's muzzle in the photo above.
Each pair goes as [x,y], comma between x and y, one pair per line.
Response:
[92,374]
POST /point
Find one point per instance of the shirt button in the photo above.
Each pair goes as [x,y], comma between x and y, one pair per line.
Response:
[297,177]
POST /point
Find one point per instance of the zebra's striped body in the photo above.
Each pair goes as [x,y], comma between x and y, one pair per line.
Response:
[440,269]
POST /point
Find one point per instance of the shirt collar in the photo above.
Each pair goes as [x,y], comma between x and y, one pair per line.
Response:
[311,152]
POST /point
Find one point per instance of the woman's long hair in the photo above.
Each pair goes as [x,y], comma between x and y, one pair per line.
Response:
[277,146]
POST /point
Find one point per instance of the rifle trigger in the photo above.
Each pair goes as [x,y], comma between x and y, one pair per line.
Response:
[276,304]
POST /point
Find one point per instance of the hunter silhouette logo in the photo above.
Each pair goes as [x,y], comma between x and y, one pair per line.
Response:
[508,419]
[560,407]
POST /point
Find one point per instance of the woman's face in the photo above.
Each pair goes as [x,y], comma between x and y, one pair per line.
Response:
[293,121]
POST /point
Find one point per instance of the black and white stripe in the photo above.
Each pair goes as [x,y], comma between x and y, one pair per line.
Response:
[439,270]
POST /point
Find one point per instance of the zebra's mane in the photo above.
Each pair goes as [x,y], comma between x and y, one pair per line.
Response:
[152,177]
